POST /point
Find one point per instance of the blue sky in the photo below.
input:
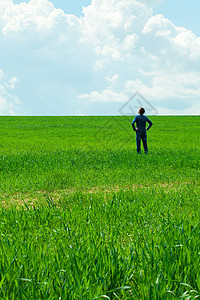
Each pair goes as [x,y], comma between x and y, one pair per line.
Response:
[68,6]
[181,13]
[63,57]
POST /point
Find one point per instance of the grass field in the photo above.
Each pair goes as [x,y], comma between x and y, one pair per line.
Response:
[82,216]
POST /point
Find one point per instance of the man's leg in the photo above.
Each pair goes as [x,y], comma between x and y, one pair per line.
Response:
[138,142]
[144,141]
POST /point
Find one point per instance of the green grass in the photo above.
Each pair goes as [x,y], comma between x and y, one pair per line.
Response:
[82,216]
[47,153]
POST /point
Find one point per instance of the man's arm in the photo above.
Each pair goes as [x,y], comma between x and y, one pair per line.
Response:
[150,124]
[133,124]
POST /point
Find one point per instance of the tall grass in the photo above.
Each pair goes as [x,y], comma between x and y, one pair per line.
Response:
[141,244]
[82,216]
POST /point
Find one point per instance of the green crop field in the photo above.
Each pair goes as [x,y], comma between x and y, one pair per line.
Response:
[82,216]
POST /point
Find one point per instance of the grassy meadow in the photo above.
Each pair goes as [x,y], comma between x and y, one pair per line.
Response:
[82,216]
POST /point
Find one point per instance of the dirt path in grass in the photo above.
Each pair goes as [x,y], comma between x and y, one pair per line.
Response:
[49,197]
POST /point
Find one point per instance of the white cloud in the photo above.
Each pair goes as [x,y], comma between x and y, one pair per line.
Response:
[194,109]
[181,40]
[104,96]
[12,82]
[169,86]
[4,107]
[61,64]
[9,103]
[150,2]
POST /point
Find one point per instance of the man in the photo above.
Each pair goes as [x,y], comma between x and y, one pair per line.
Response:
[141,129]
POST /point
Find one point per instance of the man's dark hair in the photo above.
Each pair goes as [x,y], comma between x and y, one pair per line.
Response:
[141,111]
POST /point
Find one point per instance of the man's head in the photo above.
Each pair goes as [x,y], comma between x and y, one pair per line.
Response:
[141,111]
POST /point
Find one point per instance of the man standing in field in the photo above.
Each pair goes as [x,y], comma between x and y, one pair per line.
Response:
[141,130]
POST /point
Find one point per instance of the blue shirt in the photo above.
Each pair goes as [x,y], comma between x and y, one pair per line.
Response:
[140,121]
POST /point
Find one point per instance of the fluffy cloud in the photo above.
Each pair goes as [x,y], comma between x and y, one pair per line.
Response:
[62,64]
[150,2]
[9,103]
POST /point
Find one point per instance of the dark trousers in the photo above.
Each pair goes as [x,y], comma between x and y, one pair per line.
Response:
[141,136]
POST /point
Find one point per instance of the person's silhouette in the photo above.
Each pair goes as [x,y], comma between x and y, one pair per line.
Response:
[141,129]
